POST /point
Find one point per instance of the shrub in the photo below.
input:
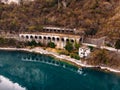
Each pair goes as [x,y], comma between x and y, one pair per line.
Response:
[91,48]
[51,44]
[33,43]
[117,44]
[69,46]
[77,45]
[75,56]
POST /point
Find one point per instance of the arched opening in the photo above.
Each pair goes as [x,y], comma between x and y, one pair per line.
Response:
[62,31]
[49,38]
[53,38]
[71,31]
[80,40]
[72,40]
[35,37]
[48,30]
[67,40]
[58,31]
[31,37]
[40,37]
[58,39]
[45,38]
[62,40]
[22,36]
[51,30]
[55,30]
[27,37]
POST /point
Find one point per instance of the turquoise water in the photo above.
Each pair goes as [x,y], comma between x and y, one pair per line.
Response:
[27,71]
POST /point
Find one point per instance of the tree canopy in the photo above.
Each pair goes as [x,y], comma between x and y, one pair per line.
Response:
[117,44]
[69,46]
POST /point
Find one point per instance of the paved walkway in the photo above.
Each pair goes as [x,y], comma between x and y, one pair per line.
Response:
[102,47]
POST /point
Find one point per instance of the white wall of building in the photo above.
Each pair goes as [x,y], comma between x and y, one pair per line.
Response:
[84,52]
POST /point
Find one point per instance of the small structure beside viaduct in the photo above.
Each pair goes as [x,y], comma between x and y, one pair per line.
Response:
[52,34]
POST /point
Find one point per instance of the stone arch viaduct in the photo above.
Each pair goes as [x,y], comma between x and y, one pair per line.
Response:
[57,35]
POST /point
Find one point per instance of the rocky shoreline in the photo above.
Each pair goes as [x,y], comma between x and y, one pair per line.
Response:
[61,57]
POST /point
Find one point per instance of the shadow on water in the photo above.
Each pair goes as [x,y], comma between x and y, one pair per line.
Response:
[39,72]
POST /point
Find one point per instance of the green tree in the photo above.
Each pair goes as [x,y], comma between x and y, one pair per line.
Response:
[51,44]
[77,45]
[69,46]
[75,56]
[117,44]
[32,43]
[91,48]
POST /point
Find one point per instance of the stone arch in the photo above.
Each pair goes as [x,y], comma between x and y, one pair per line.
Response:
[71,31]
[72,40]
[36,37]
[55,30]
[22,36]
[45,37]
[58,39]
[51,30]
[53,38]
[31,37]
[48,30]
[49,38]
[40,37]
[27,37]
[80,40]
[67,40]
[62,39]
[58,31]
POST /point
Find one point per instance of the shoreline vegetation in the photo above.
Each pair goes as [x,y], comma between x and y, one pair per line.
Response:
[60,57]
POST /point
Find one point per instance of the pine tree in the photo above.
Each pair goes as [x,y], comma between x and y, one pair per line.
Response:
[117,44]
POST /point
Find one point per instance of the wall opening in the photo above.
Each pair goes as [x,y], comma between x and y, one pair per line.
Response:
[58,39]
[67,40]
[27,37]
[40,37]
[31,37]
[36,37]
[53,38]
[49,38]
[45,38]
[62,39]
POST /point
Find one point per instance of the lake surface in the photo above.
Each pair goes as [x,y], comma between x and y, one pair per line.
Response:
[28,71]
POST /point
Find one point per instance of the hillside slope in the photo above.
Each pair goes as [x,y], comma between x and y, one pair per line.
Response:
[96,17]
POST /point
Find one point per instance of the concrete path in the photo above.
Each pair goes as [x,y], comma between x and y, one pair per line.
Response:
[102,47]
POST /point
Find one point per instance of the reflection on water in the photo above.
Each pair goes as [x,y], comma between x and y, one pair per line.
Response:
[6,84]
[43,59]
[27,71]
